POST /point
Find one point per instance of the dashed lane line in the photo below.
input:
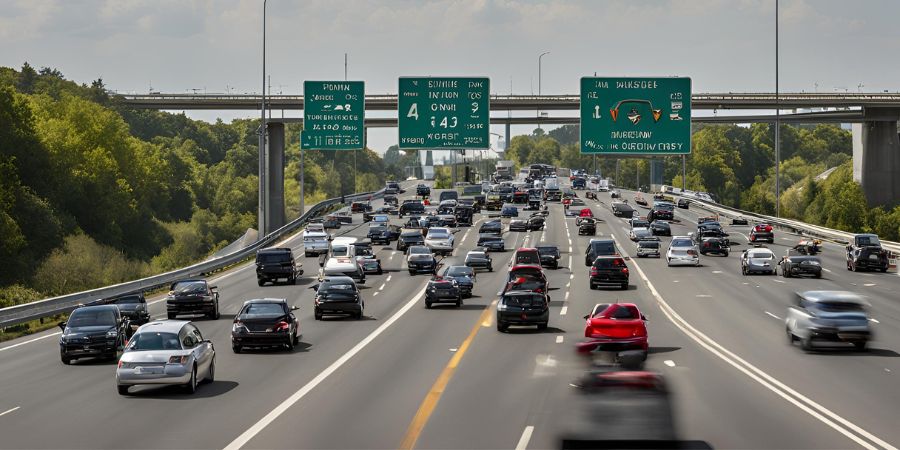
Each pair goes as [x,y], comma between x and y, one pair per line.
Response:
[526,436]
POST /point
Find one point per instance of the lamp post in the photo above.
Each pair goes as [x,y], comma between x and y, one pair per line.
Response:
[263,207]
[539,81]
[777,125]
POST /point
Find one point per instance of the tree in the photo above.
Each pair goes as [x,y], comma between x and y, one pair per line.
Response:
[27,79]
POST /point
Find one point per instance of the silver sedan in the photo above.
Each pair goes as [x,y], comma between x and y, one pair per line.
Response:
[170,352]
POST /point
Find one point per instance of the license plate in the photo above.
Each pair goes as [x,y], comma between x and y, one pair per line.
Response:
[873,257]
[268,330]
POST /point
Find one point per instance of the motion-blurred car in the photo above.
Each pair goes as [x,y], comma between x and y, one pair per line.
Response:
[527,277]
[360,207]
[796,265]
[714,245]
[492,226]
[684,203]
[549,256]
[331,223]
[423,190]
[828,316]
[536,222]
[584,213]
[265,322]
[608,271]
[338,296]
[758,260]
[509,211]
[93,331]
[617,327]
[192,297]
[478,259]
[171,352]
[682,251]
[523,308]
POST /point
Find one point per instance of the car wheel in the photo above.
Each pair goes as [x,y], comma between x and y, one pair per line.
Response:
[211,373]
[726,254]
[743,270]
[427,304]
[191,385]
[359,316]
[290,344]
[819,275]
[860,346]
[806,344]
[65,359]
[502,327]
[624,286]
[790,336]
[412,272]
[260,282]
[171,316]
[122,388]
[235,348]
[883,269]
[318,315]
[459,302]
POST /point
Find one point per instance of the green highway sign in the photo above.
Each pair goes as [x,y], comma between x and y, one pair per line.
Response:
[636,116]
[333,115]
[443,113]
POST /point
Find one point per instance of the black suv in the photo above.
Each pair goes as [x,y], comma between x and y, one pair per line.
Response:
[192,297]
[549,256]
[409,238]
[523,308]
[132,306]
[411,207]
[714,245]
[493,227]
[93,331]
[265,322]
[383,233]
[609,270]
[273,264]
[423,190]
[865,252]
[599,247]
[491,242]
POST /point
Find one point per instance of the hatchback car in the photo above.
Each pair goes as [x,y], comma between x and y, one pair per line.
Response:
[132,306]
[682,251]
[758,260]
[93,331]
[796,265]
[526,255]
[828,316]
[549,256]
[617,327]
[265,322]
[171,352]
[523,308]
[338,296]
[762,232]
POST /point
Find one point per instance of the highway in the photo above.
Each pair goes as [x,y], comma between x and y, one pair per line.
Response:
[411,377]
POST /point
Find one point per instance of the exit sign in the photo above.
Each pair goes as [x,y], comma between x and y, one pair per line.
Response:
[444,113]
[333,115]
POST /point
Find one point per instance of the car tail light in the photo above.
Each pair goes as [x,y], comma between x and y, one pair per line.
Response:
[692,252]
[178,359]
[706,244]
[594,272]
[625,270]
[282,326]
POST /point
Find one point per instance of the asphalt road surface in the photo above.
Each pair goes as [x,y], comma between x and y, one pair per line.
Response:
[411,377]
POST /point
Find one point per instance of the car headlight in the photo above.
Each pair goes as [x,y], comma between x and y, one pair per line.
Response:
[238,327]
[112,333]
[179,359]
[501,307]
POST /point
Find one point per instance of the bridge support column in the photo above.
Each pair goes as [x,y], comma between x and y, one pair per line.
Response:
[275,217]
[880,161]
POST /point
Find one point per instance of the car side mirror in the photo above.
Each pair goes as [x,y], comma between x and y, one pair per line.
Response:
[212,288]
[294,308]
[644,318]
[586,316]
[62,325]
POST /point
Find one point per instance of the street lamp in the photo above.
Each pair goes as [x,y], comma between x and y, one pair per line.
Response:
[539,80]
[262,140]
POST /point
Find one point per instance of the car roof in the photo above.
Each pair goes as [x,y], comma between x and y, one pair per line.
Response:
[555,247]
[521,292]
[833,296]
[111,307]
[338,279]
[526,249]
[163,326]
[601,241]
[265,300]
[190,280]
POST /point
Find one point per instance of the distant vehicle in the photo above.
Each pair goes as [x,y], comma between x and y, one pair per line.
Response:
[549,256]
[794,265]
[684,203]
[439,240]
[661,228]
[762,232]
[585,213]
[423,190]
[579,183]
[383,233]
[603,185]
[448,195]
[390,200]
[273,264]
[419,259]
[599,247]
[331,222]
[509,211]
[411,208]
[315,242]
[526,256]
[93,331]
[360,207]
[617,326]
[464,277]
[621,209]
[368,216]
[171,352]
[865,252]
[523,308]
[518,225]
[492,226]
[464,215]
[636,234]
[409,238]
[343,261]
[192,297]
[647,247]
[614,194]
[365,257]
[265,322]
[758,260]
[491,242]
[829,316]
[640,200]
[443,290]
[132,306]
[392,188]
[608,270]
[714,245]
[338,296]
[637,222]
[478,259]
[661,211]
[682,251]
[344,217]
[808,246]
[587,227]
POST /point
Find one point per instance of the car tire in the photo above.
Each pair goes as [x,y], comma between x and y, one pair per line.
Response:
[358,316]
[191,386]
[726,254]
[171,316]
[236,348]
[542,326]
[412,272]
[317,315]
[289,344]
[502,327]
[260,282]
[427,304]
[790,336]
[215,314]
[459,302]
[624,286]
[860,346]
[65,359]
[806,344]
[211,373]
[122,388]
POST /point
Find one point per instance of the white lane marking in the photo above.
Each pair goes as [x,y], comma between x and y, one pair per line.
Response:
[669,363]
[773,315]
[827,270]
[567,295]
[559,339]
[454,349]
[799,400]
[778,281]
[716,271]
[388,278]
[572,276]
[373,295]
[9,411]
[382,287]
[526,436]
[874,320]
[570,262]
[245,437]
[569,284]
[675,281]
[870,284]
[31,340]
[704,296]
[563,310]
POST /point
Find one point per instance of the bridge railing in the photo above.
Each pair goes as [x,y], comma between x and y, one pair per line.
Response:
[26,312]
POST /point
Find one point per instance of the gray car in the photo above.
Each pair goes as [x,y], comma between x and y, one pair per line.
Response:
[828,316]
[169,352]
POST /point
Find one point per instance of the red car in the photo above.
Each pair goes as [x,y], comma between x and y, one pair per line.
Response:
[583,214]
[526,277]
[526,256]
[762,232]
[615,327]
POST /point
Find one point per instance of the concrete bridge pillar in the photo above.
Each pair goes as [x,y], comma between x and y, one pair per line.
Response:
[275,217]
[879,163]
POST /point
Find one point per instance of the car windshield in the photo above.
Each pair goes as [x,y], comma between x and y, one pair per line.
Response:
[867,241]
[548,251]
[151,340]
[523,301]
[648,244]
[435,234]
[419,250]
[459,271]
[476,255]
[262,309]
[682,243]
[608,263]
[189,287]
[761,255]
[340,250]
[130,299]
[92,318]
[838,307]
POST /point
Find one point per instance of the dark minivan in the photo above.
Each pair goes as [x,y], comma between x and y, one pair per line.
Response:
[273,264]
[411,208]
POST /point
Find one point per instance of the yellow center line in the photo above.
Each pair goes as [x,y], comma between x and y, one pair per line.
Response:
[434,395]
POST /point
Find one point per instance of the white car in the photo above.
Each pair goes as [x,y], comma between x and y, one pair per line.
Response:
[683,252]
[439,240]
[639,233]
[166,352]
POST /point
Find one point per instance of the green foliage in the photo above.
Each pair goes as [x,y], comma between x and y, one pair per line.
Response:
[83,264]
[17,294]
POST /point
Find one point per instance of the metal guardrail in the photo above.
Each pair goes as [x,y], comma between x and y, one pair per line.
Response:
[26,312]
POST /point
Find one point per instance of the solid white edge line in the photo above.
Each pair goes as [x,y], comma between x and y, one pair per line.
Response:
[773,315]
[251,432]
[563,310]
[669,363]
[559,339]
[814,409]
[9,411]
[526,436]
[31,340]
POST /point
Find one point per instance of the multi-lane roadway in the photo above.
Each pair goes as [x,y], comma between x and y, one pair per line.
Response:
[407,376]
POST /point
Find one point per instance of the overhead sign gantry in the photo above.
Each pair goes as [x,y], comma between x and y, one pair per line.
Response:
[444,113]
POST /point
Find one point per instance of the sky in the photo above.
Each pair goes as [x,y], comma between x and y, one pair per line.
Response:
[176,46]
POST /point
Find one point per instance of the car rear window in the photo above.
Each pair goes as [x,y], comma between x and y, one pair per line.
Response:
[523,301]
[150,340]
[682,243]
[609,263]
[528,257]
[262,309]
[458,271]
[183,287]
[648,244]
[548,250]
[273,258]
[764,255]
[604,248]
[838,307]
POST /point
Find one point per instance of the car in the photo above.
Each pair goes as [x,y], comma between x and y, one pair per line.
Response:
[478,259]
[865,252]
[391,200]
[828,316]
[536,222]
[343,260]
[660,228]
[708,230]
[331,222]
[526,255]
[273,264]
[706,219]
[758,260]
[315,242]
[808,246]
[440,240]
[360,207]
[509,211]
[584,213]
[661,211]
[447,206]
[523,308]
[608,270]
[344,217]
[622,209]
[492,227]
[549,256]
[714,245]
[491,242]
[526,277]
[365,256]
[423,190]
[448,195]
[576,202]
[265,322]
[599,247]
[170,352]
[617,327]
[614,194]
[637,234]
[518,225]
[409,238]
[684,203]
[762,232]
[464,214]
[338,296]
[552,195]
[380,219]
[640,200]
[132,306]
[419,259]
[381,233]
[637,222]
[464,277]
[579,183]
[443,290]
[587,227]
[647,247]
[192,297]
[93,331]
[682,251]
[413,207]
[795,264]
